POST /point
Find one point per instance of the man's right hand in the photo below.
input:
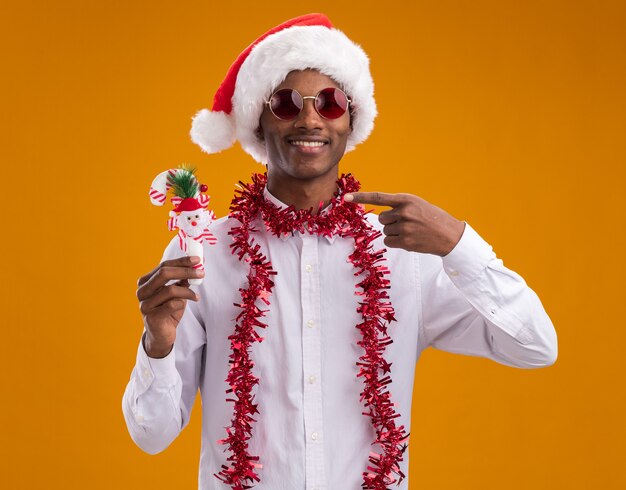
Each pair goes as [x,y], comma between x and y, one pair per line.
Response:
[163,306]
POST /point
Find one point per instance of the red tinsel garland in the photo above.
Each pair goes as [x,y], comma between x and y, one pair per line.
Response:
[346,220]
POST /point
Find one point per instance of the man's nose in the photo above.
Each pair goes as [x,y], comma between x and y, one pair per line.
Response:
[308,117]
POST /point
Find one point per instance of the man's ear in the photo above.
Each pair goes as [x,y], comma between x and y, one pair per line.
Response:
[259,132]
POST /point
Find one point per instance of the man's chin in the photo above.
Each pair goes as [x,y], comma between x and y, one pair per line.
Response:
[310,167]
[313,171]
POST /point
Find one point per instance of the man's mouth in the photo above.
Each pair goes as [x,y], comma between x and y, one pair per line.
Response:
[307,144]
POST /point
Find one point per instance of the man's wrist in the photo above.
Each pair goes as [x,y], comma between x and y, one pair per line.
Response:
[156,349]
[457,230]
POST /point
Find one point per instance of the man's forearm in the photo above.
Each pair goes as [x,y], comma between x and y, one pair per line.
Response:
[151,402]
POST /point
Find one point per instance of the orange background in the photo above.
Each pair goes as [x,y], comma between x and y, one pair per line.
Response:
[510,115]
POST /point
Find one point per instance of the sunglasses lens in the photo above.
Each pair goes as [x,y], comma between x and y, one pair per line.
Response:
[331,103]
[286,103]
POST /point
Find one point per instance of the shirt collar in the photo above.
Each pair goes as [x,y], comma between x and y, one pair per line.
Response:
[273,199]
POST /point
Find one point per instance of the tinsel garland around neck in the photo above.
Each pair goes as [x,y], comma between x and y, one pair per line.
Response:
[346,220]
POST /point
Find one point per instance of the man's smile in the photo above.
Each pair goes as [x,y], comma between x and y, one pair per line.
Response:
[308,144]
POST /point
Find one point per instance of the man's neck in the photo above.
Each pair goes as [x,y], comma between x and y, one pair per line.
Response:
[303,194]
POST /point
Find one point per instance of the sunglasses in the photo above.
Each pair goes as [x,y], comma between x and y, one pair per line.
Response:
[330,103]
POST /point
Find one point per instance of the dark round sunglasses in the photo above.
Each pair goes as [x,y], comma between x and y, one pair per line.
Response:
[330,103]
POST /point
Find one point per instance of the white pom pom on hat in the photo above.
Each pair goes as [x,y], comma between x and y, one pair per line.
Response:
[213,131]
[308,41]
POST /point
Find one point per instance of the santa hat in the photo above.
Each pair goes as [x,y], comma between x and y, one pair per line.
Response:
[309,41]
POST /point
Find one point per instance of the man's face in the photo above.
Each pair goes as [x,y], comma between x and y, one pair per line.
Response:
[286,157]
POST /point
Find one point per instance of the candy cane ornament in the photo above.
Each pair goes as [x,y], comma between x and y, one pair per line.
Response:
[190,216]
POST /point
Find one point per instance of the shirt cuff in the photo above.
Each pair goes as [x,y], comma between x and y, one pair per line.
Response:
[469,258]
[158,372]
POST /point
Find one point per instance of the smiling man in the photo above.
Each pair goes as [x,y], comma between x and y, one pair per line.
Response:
[304,334]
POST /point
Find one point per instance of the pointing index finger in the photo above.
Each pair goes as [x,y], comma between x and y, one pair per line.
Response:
[375,198]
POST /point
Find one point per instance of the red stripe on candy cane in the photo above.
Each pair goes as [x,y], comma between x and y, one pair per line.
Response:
[169,180]
[157,196]
[203,199]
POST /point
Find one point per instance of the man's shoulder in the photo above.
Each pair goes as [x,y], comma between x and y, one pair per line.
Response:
[221,226]
[219,222]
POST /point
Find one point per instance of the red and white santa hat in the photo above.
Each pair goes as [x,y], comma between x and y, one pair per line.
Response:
[309,41]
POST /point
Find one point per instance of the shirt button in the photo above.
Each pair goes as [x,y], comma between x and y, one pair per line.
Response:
[314,436]
[454,273]
[308,268]
[146,372]
[139,419]
[493,311]
[310,323]
[312,379]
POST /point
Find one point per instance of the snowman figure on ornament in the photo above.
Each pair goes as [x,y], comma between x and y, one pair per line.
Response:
[190,216]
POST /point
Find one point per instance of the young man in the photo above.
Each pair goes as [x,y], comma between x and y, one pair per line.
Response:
[314,329]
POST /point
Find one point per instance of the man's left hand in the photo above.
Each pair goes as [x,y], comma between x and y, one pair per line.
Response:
[413,223]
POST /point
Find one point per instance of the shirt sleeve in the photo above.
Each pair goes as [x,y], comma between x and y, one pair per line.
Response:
[158,398]
[472,304]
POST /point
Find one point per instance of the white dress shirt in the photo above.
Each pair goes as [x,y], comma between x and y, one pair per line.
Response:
[310,433]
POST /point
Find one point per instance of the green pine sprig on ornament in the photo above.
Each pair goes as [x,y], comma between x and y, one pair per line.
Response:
[184,183]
